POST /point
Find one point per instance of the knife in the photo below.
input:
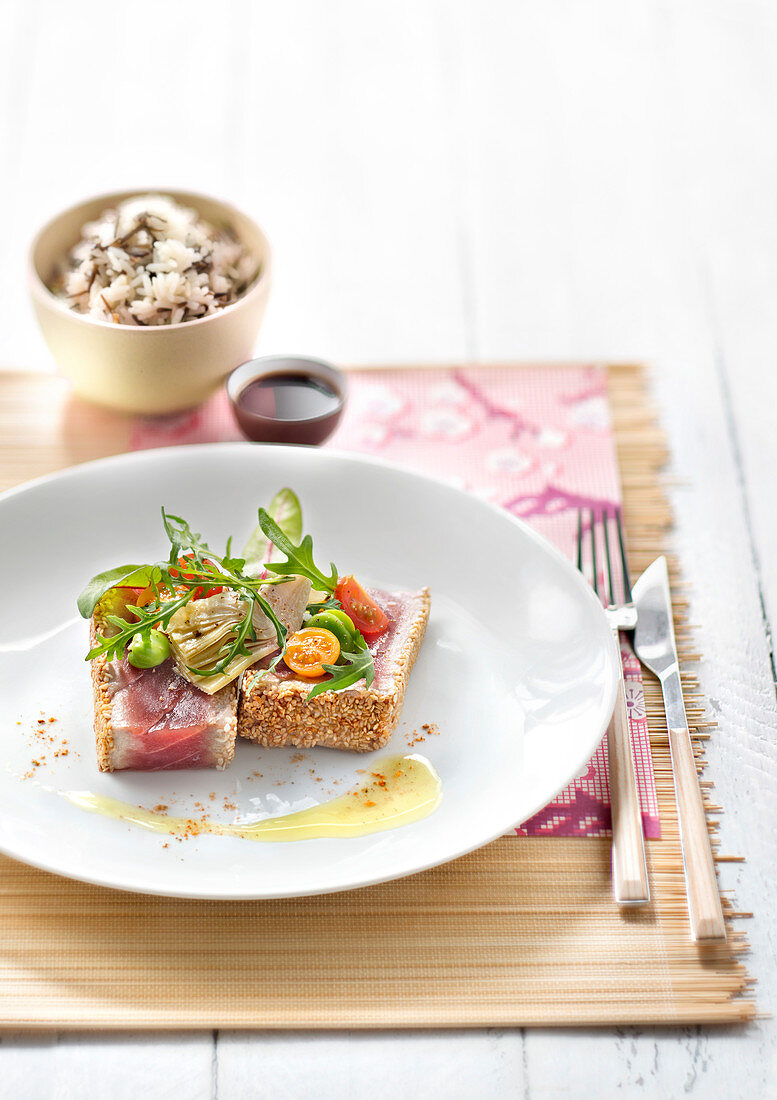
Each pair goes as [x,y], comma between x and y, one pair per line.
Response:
[654,644]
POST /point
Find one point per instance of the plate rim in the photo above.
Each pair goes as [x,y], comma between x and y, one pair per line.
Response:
[586,592]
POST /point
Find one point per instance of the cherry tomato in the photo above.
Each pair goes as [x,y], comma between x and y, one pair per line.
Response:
[366,615]
[310,649]
[137,596]
[115,600]
[189,575]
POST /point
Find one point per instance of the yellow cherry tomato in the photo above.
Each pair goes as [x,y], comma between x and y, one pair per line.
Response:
[115,600]
[310,649]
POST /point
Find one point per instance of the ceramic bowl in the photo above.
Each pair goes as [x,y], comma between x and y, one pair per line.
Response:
[156,369]
[274,429]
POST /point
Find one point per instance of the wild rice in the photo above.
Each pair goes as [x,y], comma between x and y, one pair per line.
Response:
[150,261]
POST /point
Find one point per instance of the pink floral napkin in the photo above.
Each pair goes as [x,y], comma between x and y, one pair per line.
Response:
[539,442]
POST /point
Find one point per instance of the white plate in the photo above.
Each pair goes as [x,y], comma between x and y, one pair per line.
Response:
[518,669]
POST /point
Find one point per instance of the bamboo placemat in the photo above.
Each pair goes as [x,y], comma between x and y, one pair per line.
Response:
[523,932]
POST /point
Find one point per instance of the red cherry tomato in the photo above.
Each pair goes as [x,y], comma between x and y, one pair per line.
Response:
[367,616]
[189,575]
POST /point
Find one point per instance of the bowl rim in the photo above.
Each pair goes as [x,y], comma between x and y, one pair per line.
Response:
[45,295]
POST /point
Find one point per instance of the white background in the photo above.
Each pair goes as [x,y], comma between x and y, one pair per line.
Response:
[450,181]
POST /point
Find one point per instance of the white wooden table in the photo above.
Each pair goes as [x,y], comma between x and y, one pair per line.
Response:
[464,180]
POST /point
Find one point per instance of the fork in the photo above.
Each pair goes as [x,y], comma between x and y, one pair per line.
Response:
[629,870]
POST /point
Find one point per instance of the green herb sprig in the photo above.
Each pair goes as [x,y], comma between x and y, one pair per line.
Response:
[286,510]
[154,615]
[329,604]
[182,538]
[200,572]
[174,585]
[299,558]
[361,666]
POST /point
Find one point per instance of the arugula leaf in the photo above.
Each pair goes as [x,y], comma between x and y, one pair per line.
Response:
[131,576]
[286,510]
[174,586]
[324,605]
[299,561]
[228,574]
[155,614]
[182,539]
[361,666]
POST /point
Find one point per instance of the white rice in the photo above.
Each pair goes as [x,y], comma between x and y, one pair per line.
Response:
[151,261]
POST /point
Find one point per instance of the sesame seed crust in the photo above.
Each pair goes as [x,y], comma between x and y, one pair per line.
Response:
[103,706]
[275,712]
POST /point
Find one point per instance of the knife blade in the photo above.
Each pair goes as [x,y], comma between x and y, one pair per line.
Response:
[655,645]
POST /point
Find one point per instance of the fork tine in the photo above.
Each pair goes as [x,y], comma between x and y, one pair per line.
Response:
[594,564]
[580,540]
[624,563]
[608,561]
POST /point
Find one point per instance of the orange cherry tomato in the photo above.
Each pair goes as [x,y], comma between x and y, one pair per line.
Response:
[137,596]
[190,575]
[367,616]
[310,649]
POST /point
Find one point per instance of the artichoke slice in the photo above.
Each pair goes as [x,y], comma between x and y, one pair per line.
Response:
[200,631]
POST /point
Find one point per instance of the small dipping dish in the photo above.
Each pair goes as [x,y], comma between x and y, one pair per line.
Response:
[287,399]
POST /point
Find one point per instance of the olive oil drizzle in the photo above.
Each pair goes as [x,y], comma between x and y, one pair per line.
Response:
[397,790]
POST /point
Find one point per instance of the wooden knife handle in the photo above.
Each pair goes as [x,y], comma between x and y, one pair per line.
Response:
[629,870]
[701,884]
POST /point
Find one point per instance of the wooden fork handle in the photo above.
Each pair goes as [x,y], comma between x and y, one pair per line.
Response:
[629,869]
[704,908]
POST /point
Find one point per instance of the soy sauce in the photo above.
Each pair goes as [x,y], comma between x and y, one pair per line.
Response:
[289,397]
[288,406]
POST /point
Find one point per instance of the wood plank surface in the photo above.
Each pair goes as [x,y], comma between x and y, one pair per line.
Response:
[447,180]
